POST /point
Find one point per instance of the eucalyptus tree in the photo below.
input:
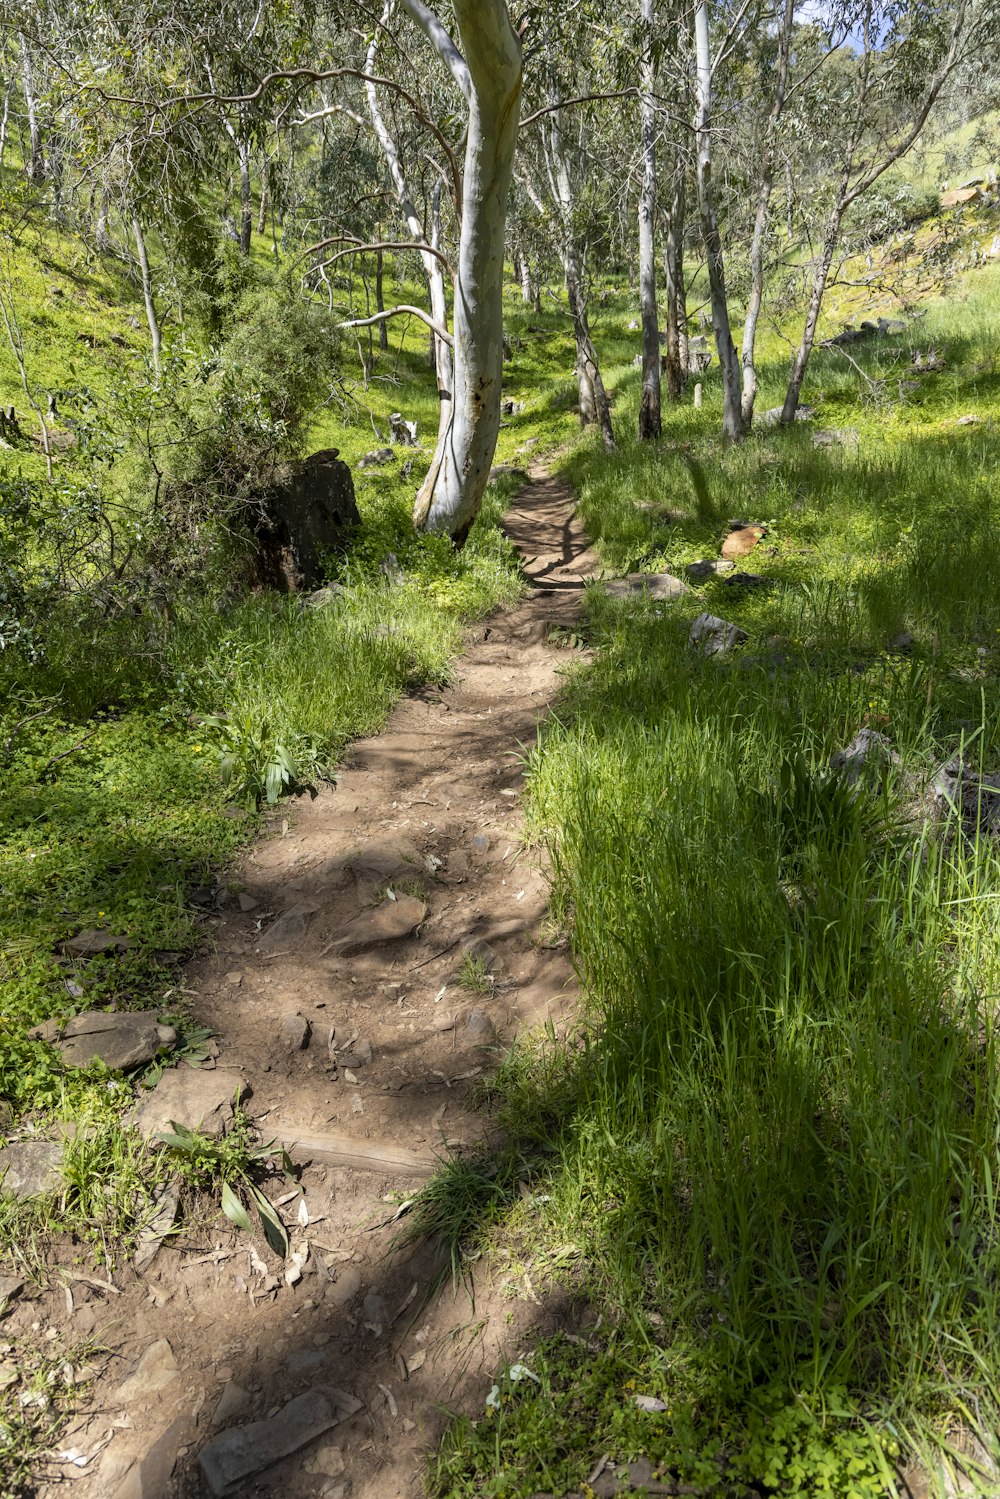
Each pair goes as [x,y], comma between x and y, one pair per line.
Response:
[649,408]
[906,54]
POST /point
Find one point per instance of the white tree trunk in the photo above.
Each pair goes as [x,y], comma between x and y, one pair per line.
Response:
[36,159]
[732,411]
[649,409]
[451,496]
[673,262]
[147,293]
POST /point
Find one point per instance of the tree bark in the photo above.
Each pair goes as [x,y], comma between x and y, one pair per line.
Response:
[36,158]
[673,265]
[732,412]
[758,243]
[383,328]
[147,293]
[649,408]
[246,197]
[490,78]
[5,120]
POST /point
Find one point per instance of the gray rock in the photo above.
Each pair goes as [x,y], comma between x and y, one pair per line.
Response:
[901,644]
[711,636]
[305,511]
[480,843]
[479,1028]
[231,1402]
[835,437]
[230,1460]
[392,921]
[956,787]
[153,1233]
[708,568]
[199,1099]
[401,431]
[772,417]
[360,1055]
[294,1032]
[376,458]
[749,580]
[375,1310]
[87,943]
[9,1287]
[868,756]
[31,1168]
[322,598]
[655,585]
[346,1286]
[148,1478]
[156,1369]
[290,927]
[121,1040]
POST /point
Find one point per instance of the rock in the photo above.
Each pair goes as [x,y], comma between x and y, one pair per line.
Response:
[247,902]
[290,927]
[343,1290]
[901,644]
[294,1032]
[86,944]
[153,1233]
[742,539]
[772,416]
[511,408]
[959,197]
[402,431]
[835,437]
[375,1310]
[229,1461]
[392,921]
[868,755]
[480,844]
[968,421]
[198,1099]
[327,1460]
[708,568]
[360,1055]
[121,1040]
[322,598]
[232,1401]
[391,571]
[306,510]
[976,798]
[488,956]
[31,1168]
[377,866]
[149,1477]
[376,458]
[9,1287]
[711,636]
[508,471]
[157,1368]
[749,580]
[638,585]
[479,1028]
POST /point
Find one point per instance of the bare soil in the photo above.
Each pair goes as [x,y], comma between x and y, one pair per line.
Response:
[431,810]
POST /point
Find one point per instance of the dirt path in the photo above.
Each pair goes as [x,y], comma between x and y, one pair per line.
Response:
[429,808]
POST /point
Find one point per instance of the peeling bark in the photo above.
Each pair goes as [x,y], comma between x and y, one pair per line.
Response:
[649,409]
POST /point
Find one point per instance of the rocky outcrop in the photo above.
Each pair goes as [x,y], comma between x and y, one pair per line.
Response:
[307,509]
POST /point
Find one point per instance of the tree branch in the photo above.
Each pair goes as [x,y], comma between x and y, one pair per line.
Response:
[437,34]
[383,244]
[380,317]
[621,93]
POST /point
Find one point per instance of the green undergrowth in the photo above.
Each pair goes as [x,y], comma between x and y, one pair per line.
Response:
[767,1159]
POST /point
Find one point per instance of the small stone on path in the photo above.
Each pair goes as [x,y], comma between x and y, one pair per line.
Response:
[479,1028]
[390,922]
[156,1369]
[295,1032]
[230,1460]
[247,902]
[289,928]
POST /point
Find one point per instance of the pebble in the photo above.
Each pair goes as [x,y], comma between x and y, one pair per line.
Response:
[294,1033]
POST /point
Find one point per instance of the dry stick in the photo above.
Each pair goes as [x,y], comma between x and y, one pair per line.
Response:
[71,751]
[17,729]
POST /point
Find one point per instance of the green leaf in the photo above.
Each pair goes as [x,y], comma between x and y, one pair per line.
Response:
[274,1229]
[234,1209]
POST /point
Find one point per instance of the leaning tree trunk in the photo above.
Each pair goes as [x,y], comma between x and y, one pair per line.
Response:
[673,265]
[649,409]
[147,293]
[383,327]
[732,411]
[451,496]
[820,276]
[758,243]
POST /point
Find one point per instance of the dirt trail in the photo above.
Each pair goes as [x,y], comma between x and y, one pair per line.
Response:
[431,805]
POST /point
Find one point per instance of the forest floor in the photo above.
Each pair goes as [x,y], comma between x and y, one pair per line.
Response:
[400,1033]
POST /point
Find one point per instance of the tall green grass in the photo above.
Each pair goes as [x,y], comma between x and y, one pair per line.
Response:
[777,1140]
